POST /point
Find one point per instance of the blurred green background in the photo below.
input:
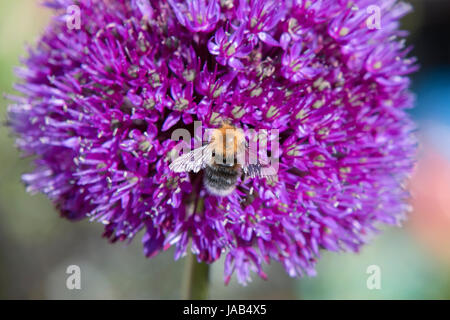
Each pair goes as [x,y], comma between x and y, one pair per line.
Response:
[36,245]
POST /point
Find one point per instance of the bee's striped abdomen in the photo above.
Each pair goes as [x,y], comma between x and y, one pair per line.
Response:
[220,179]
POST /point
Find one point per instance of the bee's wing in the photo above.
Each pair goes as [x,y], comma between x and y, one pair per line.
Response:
[253,164]
[252,170]
[194,161]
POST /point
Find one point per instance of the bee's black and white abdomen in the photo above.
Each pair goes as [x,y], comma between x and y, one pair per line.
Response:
[220,180]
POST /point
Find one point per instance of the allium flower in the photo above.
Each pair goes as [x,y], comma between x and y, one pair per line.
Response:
[99,105]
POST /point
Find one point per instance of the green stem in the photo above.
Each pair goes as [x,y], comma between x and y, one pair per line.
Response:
[197,274]
[197,279]
[196,284]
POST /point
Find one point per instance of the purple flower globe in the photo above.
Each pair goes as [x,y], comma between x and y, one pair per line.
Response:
[100,100]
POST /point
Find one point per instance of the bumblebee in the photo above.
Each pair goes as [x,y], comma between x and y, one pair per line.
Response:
[223,160]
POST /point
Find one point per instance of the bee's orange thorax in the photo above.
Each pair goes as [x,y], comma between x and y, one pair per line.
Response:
[227,139]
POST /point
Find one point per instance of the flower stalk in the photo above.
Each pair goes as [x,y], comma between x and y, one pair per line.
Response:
[197,279]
